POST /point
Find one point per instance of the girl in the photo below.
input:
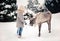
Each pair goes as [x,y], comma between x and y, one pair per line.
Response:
[20,20]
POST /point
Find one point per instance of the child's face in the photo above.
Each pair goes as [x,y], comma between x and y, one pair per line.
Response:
[21,9]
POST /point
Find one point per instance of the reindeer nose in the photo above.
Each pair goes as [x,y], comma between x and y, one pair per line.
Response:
[31,24]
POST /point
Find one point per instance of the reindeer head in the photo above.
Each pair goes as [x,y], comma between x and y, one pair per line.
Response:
[28,16]
[32,21]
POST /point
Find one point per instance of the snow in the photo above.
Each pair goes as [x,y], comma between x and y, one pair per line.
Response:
[25,2]
[8,31]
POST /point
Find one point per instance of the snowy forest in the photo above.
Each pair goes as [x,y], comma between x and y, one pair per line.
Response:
[8,8]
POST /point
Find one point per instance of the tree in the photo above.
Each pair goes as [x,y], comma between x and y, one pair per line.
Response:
[53,5]
[31,5]
[7,9]
[35,2]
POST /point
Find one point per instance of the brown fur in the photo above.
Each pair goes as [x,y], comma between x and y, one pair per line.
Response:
[40,18]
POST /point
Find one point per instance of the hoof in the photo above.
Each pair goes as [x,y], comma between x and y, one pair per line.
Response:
[49,31]
[39,35]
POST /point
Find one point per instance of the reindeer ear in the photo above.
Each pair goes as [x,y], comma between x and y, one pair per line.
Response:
[31,15]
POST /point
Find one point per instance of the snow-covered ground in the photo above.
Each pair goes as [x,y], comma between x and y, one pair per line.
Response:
[8,31]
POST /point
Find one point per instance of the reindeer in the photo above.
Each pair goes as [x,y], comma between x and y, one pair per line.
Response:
[40,18]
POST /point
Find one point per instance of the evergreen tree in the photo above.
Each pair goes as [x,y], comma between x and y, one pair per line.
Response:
[53,5]
[31,5]
[7,9]
[35,2]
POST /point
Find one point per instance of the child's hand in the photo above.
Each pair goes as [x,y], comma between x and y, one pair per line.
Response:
[22,22]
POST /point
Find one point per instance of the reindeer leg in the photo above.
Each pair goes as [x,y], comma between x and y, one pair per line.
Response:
[49,26]
[39,29]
